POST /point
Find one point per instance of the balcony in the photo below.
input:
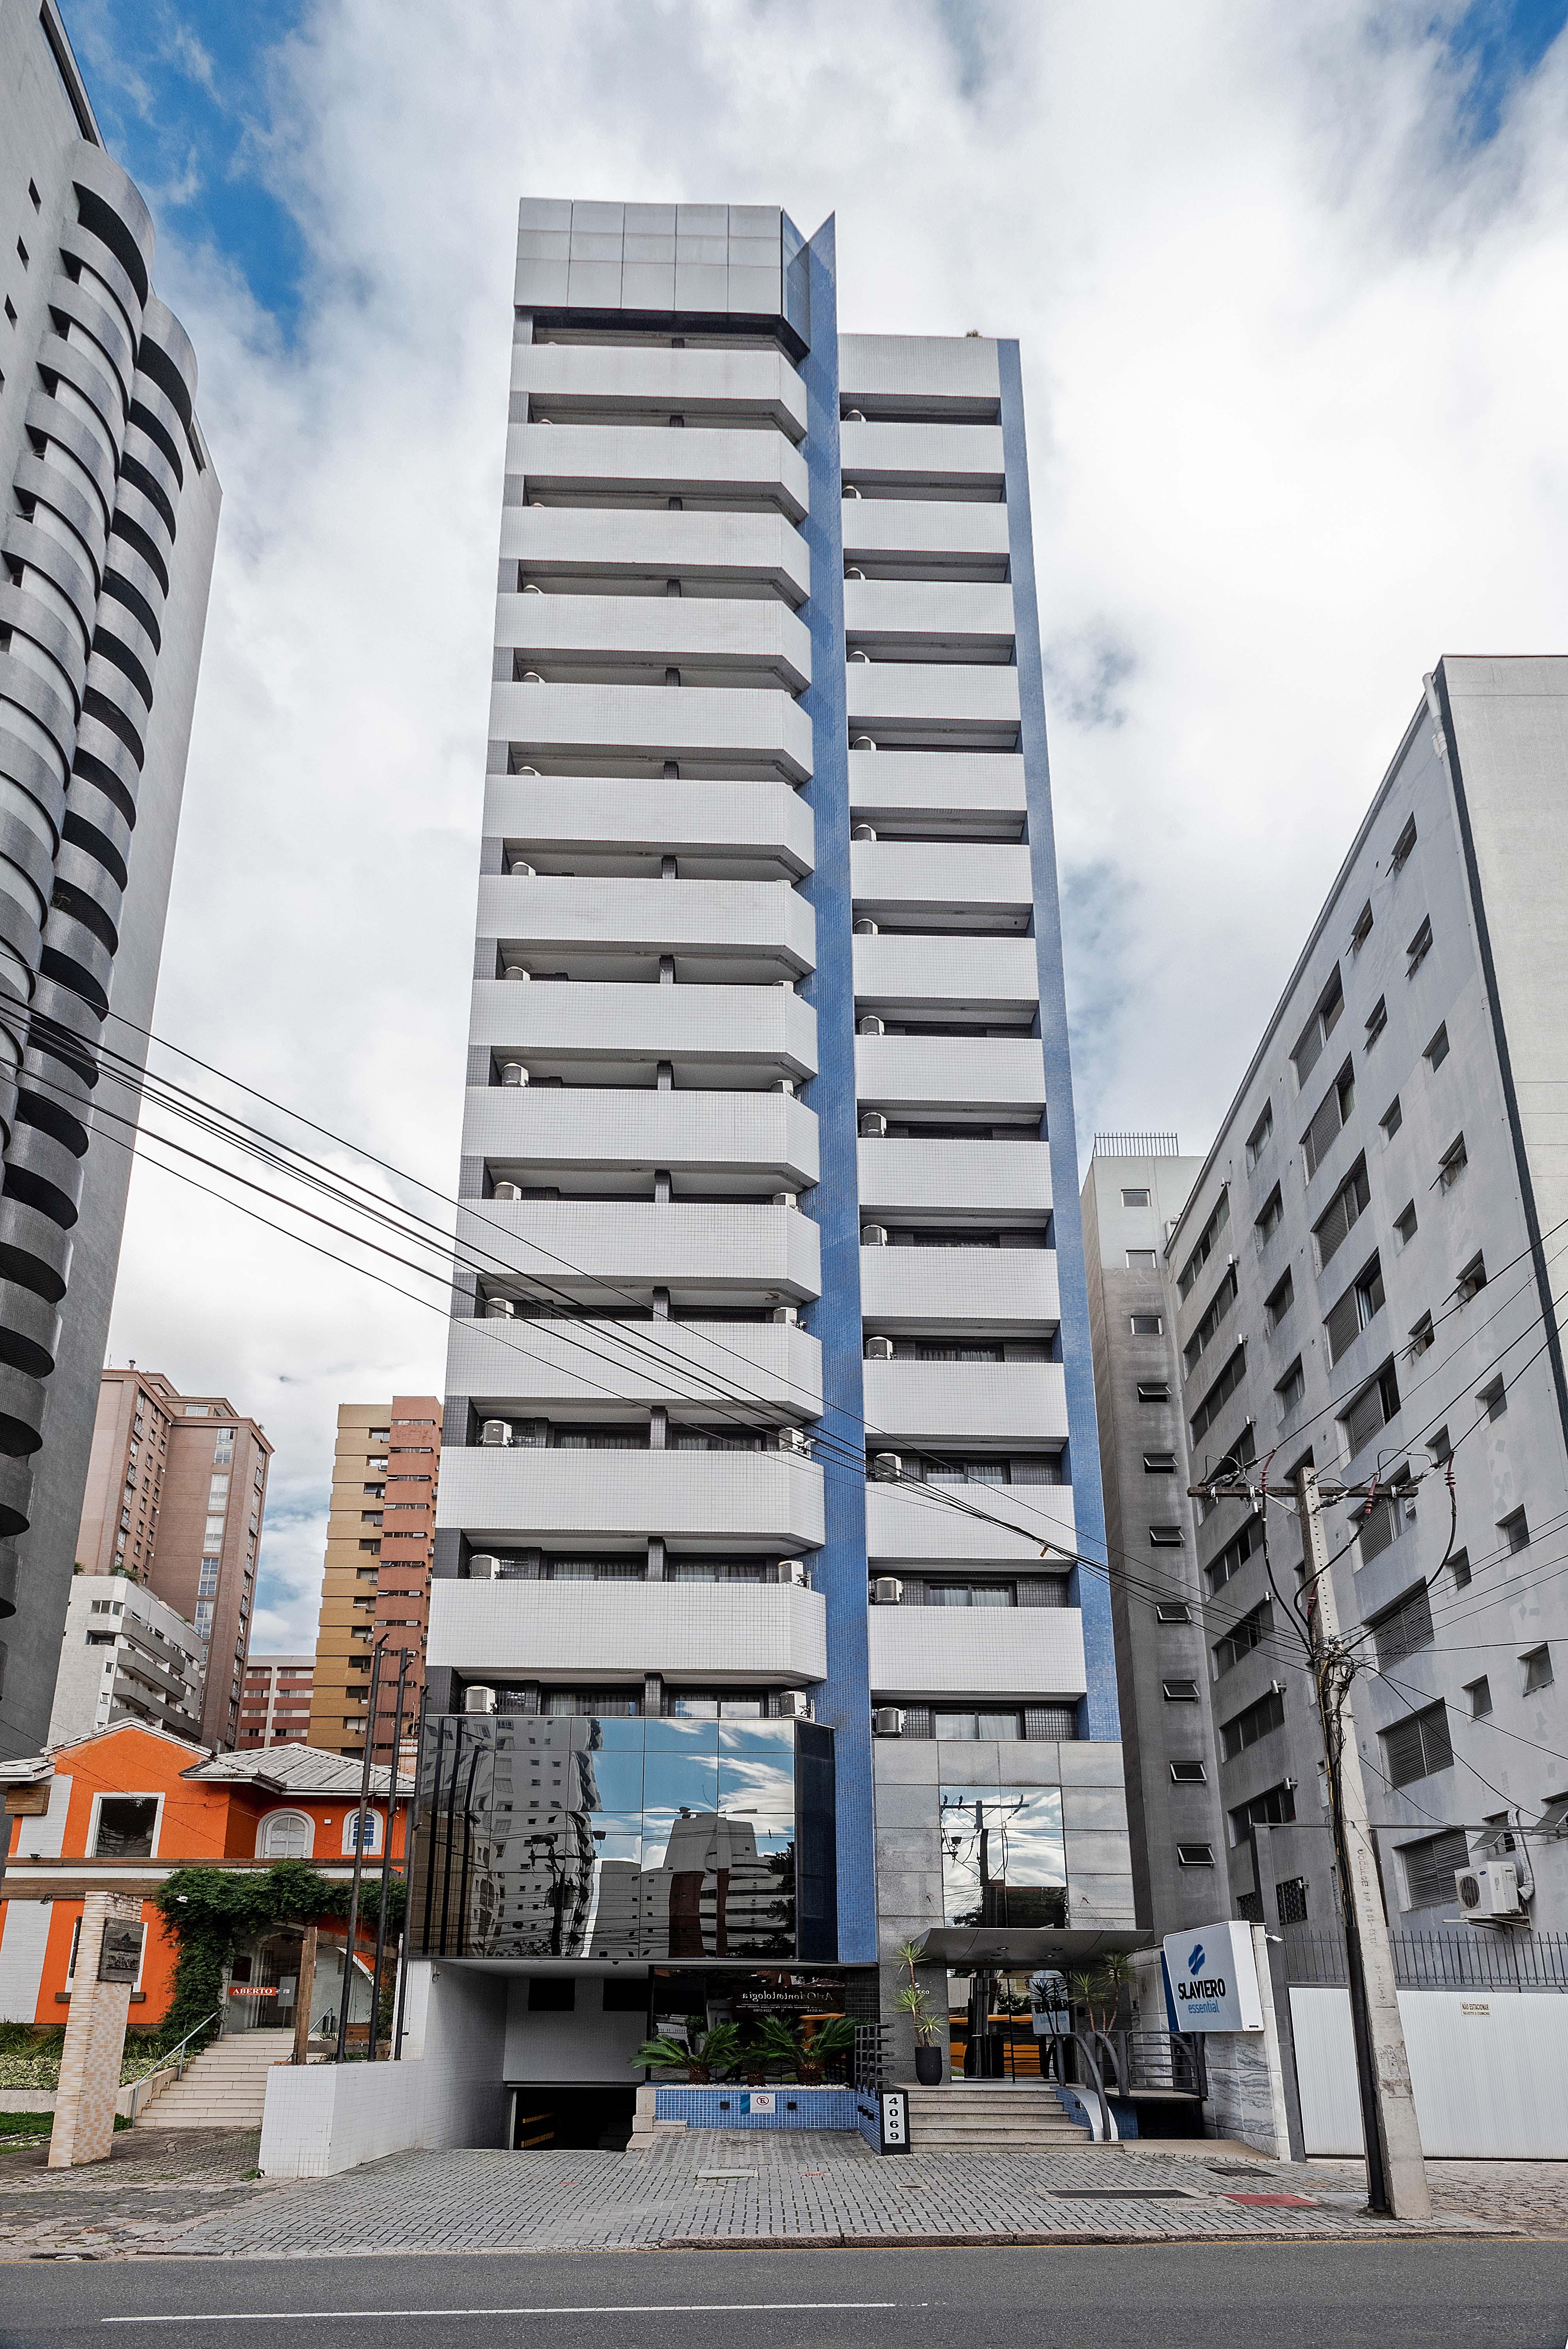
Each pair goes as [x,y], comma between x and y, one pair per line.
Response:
[579,542]
[521,1130]
[695,917]
[758,384]
[576,460]
[763,1503]
[654,723]
[916,456]
[995,1290]
[909,528]
[520,1368]
[888,785]
[977,1652]
[745,633]
[920,703]
[900,878]
[909,1524]
[954,619]
[592,816]
[972,1072]
[944,1403]
[767,1028]
[741,1631]
[957,972]
[574,1243]
[900,1177]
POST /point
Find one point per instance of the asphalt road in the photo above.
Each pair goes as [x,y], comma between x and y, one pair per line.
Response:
[1409,2295]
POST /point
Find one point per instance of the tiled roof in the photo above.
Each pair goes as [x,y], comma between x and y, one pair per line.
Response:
[301,1769]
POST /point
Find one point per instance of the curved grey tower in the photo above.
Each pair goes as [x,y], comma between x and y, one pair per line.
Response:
[107,543]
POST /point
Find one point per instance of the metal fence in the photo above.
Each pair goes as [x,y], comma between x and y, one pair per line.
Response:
[1314,1954]
[1137,1145]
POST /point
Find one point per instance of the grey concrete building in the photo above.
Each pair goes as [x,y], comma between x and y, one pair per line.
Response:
[106,542]
[1133,1194]
[1364,1277]
[768,1174]
[125,1656]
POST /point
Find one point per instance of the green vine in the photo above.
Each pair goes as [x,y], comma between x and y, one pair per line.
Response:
[209,1912]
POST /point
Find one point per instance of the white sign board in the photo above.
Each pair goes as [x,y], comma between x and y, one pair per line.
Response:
[1213,1980]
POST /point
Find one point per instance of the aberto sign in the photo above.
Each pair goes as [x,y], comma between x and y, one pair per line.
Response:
[1212,1979]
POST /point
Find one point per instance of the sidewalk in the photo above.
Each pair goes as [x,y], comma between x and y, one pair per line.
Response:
[189,2193]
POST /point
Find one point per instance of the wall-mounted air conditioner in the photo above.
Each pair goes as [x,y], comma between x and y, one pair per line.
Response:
[873,1125]
[496,1431]
[483,1568]
[879,1350]
[792,1570]
[791,1704]
[887,1721]
[887,1590]
[887,1467]
[874,1235]
[1488,1893]
[478,1699]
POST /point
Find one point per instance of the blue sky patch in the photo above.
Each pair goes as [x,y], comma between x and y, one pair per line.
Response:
[1499,44]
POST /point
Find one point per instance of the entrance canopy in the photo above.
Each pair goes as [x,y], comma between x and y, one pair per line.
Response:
[1023,1949]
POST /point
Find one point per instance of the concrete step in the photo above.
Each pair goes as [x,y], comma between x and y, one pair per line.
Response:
[225,2087]
[997,2116]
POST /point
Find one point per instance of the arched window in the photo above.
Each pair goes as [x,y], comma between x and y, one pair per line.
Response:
[372,1830]
[287,1835]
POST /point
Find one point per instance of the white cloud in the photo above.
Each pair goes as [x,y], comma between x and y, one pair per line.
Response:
[1294,357]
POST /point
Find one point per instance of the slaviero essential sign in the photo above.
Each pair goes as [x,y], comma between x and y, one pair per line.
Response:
[1213,1980]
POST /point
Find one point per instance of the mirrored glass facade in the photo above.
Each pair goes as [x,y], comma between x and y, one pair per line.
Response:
[1004,1856]
[548,1837]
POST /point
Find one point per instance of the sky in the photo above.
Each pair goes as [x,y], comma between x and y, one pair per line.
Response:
[1288,285]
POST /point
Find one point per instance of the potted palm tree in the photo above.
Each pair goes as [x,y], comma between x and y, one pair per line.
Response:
[775,2043]
[914,2001]
[836,2036]
[710,2054]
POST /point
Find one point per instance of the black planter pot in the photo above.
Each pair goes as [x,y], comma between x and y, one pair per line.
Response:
[928,2066]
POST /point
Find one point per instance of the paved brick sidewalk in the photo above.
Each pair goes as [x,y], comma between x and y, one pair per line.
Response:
[146,2194]
[1527,2197]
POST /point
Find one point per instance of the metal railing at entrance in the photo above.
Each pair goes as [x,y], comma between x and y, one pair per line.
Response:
[1503,1959]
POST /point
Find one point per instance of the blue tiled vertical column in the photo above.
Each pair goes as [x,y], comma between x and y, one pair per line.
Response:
[844,1700]
[1097,1715]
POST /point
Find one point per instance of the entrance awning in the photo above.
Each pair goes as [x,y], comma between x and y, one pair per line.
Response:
[1023,1949]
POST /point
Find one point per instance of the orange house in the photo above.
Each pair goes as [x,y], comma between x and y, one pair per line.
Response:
[127,1808]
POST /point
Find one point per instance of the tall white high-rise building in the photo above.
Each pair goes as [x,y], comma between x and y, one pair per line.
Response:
[771,1442]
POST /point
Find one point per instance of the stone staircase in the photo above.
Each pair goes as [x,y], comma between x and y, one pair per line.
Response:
[225,2087]
[991,2116]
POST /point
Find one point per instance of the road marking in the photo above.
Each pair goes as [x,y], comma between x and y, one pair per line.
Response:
[584,2308]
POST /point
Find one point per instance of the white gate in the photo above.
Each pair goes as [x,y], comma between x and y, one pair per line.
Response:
[1489,2070]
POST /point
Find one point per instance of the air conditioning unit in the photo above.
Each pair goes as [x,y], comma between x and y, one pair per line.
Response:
[784,1085]
[478,1699]
[790,1704]
[794,1440]
[865,927]
[874,1235]
[863,831]
[879,1350]
[873,1125]
[509,1191]
[887,1467]
[498,1309]
[786,1199]
[871,1025]
[792,1570]
[496,1431]
[483,1568]
[516,970]
[887,1721]
[1488,1893]
[887,1590]
[513,1073]
[518,869]
[788,1314]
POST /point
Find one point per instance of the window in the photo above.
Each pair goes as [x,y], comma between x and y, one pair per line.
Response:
[1233,1556]
[1459,1568]
[1164,1536]
[371,1820]
[1493,1399]
[1431,1866]
[1203,1336]
[1333,1112]
[22,252]
[1404,1628]
[1392,1119]
[1135,1198]
[1420,948]
[1417,1748]
[1242,1638]
[1273,1808]
[1258,1721]
[1452,1163]
[1291,1389]
[1479,1695]
[1318,1028]
[1189,1774]
[207,1581]
[1360,1306]
[1140,1260]
[1537,1670]
[1179,1692]
[1219,1394]
[1403,846]
[1279,1300]
[287,1835]
[1344,1211]
[1437,1051]
[1219,1218]
[33,193]
[1271,1216]
[1153,1390]
[1147,1325]
[1363,930]
[127,1827]
[1471,1281]
[1194,1855]
[1374,1407]
[1405,1225]
[1159,1464]
[552,1993]
[1377,1020]
[1261,1136]
[1173,1610]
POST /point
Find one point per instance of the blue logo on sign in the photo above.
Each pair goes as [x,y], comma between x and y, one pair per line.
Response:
[1195,1962]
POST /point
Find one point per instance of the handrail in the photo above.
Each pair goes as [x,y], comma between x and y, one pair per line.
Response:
[175,2054]
[1107,2121]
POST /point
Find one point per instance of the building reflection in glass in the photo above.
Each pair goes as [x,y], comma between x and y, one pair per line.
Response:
[1004,1857]
[543,1837]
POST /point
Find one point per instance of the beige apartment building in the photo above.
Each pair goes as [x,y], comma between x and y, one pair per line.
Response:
[379,1533]
[175,1497]
[274,1701]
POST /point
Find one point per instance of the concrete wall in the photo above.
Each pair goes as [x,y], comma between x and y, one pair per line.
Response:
[586,2045]
[1489,2070]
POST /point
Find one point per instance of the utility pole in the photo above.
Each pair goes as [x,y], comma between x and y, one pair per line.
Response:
[1396,2172]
